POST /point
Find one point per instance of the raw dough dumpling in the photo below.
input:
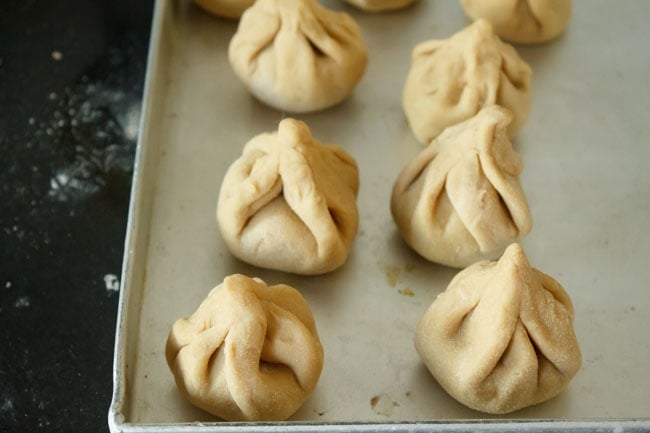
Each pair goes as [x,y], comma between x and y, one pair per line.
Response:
[380,5]
[250,352]
[296,55]
[225,8]
[289,202]
[501,336]
[524,21]
[450,80]
[460,200]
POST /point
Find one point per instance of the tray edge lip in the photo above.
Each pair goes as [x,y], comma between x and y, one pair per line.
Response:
[458,426]
[116,419]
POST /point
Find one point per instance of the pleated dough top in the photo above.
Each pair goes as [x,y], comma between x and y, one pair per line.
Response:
[460,200]
[296,55]
[249,352]
[450,80]
[501,336]
[522,21]
[289,202]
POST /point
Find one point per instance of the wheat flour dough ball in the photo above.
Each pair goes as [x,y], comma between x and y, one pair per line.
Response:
[500,337]
[289,202]
[460,200]
[523,21]
[296,55]
[250,352]
[450,80]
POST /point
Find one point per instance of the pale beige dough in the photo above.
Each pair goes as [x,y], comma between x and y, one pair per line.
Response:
[225,8]
[289,202]
[250,352]
[450,80]
[500,337]
[296,55]
[460,200]
[523,21]
[380,5]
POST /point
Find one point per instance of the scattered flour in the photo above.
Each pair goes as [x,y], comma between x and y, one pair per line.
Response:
[99,123]
[22,302]
[112,283]
[7,405]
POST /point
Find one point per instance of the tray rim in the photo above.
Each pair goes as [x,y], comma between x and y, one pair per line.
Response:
[116,418]
[459,426]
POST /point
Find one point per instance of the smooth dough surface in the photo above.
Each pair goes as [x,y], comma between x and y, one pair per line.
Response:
[450,80]
[500,337]
[459,200]
[289,202]
[523,21]
[225,8]
[250,352]
[296,55]
[380,5]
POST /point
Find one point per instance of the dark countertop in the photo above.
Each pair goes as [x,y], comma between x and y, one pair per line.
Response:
[71,79]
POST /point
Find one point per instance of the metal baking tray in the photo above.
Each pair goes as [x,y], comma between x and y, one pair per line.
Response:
[585,149]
